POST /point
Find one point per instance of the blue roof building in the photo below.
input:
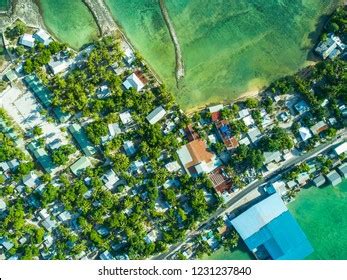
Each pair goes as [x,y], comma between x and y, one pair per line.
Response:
[271,232]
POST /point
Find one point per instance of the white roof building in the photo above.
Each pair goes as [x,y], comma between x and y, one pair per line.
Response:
[133,81]
[305,133]
[243,113]
[129,55]
[126,118]
[173,166]
[2,205]
[58,66]
[156,115]
[216,108]
[341,149]
[27,40]
[129,147]
[110,179]
[30,180]
[331,47]
[248,120]
[43,37]
[114,129]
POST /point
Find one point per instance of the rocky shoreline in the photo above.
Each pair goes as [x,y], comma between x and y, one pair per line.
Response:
[174,37]
[102,16]
[26,10]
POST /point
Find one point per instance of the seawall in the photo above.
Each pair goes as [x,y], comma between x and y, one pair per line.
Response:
[174,37]
[102,15]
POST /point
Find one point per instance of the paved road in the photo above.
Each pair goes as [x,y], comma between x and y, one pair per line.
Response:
[251,187]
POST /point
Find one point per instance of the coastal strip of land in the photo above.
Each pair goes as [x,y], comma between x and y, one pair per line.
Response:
[26,10]
[102,15]
[174,37]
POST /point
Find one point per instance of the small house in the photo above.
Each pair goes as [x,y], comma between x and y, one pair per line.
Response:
[319,181]
[129,147]
[302,107]
[27,40]
[126,118]
[341,149]
[319,127]
[80,166]
[305,133]
[114,129]
[110,179]
[334,178]
[342,169]
[134,81]
[43,37]
[156,115]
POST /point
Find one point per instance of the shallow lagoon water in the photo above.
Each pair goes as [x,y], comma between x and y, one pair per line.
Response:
[4,5]
[229,47]
[70,21]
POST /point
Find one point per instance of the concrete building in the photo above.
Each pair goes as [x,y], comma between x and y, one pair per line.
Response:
[319,127]
[110,179]
[254,135]
[331,47]
[343,170]
[302,107]
[334,178]
[156,115]
[134,81]
[80,166]
[270,231]
[319,181]
[305,133]
[126,118]
[43,37]
[341,149]
[196,159]
[27,40]
[82,140]
[58,66]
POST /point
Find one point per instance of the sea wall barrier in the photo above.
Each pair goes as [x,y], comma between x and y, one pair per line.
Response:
[102,16]
[174,37]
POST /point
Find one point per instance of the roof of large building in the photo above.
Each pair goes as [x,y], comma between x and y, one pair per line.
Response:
[271,232]
[343,169]
[42,157]
[252,220]
[40,91]
[281,239]
[81,138]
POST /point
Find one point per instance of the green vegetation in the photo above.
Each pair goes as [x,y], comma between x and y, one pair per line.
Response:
[278,139]
[60,156]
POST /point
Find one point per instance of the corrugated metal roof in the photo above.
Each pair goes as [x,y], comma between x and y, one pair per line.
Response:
[282,239]
[253,219]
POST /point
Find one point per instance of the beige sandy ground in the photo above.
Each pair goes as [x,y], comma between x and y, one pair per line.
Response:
[25,10]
